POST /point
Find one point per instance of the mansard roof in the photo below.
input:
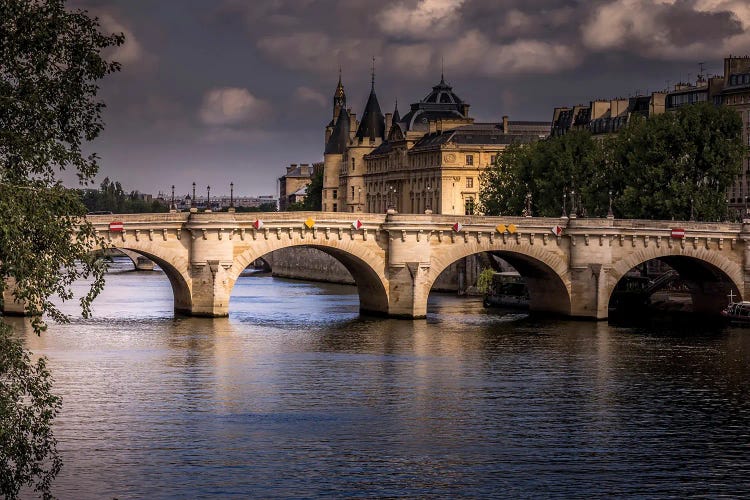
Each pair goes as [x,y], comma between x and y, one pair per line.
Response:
[440,104]
[442,93]
[373,121]
[339,139]
[475,134]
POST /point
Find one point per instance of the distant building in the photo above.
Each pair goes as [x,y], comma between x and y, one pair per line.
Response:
[223,202]
[606,116]
[293,184]
[732,90]
[736,94]
[429,159]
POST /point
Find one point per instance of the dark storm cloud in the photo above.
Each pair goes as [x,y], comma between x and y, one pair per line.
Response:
[234,90]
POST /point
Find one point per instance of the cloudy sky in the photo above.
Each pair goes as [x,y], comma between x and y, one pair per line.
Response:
[215,91]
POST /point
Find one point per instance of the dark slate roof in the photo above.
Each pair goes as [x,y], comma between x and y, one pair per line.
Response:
[340,136]
[373,121]
[441,103]
[442,93]
[384,148]
[418,119]
[481,133]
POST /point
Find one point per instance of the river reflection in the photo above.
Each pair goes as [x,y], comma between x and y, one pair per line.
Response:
[297,395]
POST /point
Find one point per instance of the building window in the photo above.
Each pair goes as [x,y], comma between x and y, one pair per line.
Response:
[470,159]
[352,192]
[469,206]
[352,164]
[335,197]
[492,159]
[335,207]
[470,182]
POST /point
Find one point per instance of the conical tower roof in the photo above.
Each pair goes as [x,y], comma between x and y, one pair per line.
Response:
[340,136]
[373,121]
[396,115]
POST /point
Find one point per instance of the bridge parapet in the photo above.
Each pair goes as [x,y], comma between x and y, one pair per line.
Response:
[572,264]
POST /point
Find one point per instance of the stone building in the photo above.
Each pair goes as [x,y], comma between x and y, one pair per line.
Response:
[429,159]
[293,184]
[735,93]
[606,116]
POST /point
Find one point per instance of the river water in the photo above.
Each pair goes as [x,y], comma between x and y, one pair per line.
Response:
[296,395]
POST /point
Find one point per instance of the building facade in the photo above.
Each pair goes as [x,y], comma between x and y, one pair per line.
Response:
[293,184]
[735,93]
[428,160]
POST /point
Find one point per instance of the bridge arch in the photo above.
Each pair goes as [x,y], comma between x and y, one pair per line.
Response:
[366,267]
[546,273]
[709,274]
[175,266]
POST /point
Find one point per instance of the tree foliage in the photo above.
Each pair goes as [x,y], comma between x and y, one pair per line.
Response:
[112,198]
[50,62]
[27,409]
[666,161]
[654,168]
[314,195]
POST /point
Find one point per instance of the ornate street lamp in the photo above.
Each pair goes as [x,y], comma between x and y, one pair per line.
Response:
[172,207]
[573,208]
[208,198]
[193,200]
[528,205]
[564,214]
[231,195]
[610,213]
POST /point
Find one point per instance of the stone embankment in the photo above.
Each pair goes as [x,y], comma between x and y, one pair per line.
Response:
[311,264]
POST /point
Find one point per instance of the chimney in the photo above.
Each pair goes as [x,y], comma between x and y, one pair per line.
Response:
[304,169]
[290,168]
[388,122]
[505,124]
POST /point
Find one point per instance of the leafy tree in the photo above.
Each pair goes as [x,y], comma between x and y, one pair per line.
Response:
[27,409]
[314,196]
[502,190]
[545,170]
[673,162]
[50,62]
[656,168]
[112,198]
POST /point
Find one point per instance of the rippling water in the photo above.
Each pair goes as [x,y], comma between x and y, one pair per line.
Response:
[295,395]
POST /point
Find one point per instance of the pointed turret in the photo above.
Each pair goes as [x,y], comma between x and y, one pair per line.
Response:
[339,99]
[372,125]
[396,115]
[340,136]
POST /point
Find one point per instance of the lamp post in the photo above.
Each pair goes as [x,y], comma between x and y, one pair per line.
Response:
[610,213]
[231,195]
[208,199]
[692,212]
[193,202]
[564,214]
[172,207]
[391,197]
[429,200]
[573,204]
[359,198]
[528,205]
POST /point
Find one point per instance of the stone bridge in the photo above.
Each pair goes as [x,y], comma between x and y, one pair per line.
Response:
[395,258]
